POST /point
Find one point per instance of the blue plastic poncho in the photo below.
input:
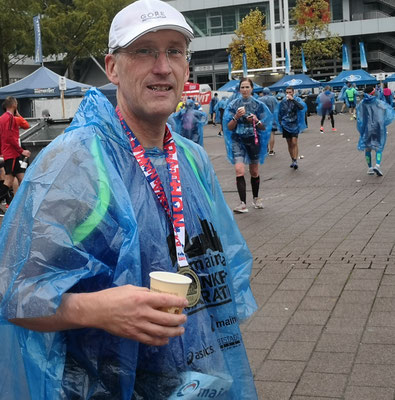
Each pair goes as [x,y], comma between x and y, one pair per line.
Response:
[85,219]
[373,116]
[290,116]
[272,104]
[342,96]
[189,122]
[213,102]
[244,131]
[221,105]
[325,101]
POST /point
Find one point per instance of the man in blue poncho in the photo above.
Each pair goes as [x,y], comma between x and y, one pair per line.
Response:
[114,198]
[373,117]
[291,122]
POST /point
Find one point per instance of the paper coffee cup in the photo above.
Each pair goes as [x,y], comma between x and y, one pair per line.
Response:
[241,109]
[171,283]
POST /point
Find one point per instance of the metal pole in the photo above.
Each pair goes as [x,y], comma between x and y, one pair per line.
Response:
[280,7]
[286,29]
[273,33]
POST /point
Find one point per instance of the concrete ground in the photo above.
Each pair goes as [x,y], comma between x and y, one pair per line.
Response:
[324,267]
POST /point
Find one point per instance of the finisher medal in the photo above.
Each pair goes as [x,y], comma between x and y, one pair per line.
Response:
[195,288]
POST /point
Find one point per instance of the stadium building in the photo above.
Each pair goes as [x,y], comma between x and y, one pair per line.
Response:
[214,22]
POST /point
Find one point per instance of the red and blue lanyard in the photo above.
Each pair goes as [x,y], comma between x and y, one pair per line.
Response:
[176,216]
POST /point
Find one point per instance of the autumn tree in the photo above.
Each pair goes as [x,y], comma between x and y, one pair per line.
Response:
[79,28]
[251,39]
[312,19]
[16,32]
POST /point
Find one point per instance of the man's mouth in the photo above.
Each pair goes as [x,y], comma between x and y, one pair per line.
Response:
[159,88]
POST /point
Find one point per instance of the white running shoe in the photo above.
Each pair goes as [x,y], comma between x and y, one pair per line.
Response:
[377,170]
[370,171]
[257,202]
[241,208]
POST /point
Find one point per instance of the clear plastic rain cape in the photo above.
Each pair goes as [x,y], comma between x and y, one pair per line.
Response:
[244,131]
[373,116]
[85,219]
[189,122]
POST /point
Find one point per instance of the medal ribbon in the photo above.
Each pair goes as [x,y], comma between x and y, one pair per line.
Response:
[176,216]
[255,132]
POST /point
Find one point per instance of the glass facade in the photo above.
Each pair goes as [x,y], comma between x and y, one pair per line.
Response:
[221,21]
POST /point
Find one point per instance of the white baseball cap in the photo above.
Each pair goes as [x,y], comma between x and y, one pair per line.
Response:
[145,16]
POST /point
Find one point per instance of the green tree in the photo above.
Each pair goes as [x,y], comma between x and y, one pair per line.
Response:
[16,32]
[312,19]
[78,28]
[251,39]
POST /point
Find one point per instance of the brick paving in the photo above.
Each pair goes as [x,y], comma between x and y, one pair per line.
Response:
[324,267]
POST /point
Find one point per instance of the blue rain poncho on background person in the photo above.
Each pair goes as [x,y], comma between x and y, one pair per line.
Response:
[373,117]
[325,101]
[342,95]
[189,122]
[286,119]
[86,219]
[221,105]
[271,103]
[245,131]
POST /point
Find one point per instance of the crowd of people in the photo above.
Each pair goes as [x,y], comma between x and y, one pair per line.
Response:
[128,191]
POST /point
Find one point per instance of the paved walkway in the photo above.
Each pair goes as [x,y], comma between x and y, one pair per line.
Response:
[324,268]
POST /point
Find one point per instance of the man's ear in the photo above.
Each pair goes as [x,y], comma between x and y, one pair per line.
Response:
[186,74]
[111,68]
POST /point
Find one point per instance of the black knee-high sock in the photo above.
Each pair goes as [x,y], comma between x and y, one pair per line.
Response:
[255,185]
[241,188]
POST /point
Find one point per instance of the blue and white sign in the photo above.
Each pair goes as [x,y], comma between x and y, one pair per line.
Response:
[38,51]
[293,82]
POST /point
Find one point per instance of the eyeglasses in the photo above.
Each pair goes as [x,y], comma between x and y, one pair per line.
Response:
[147,54]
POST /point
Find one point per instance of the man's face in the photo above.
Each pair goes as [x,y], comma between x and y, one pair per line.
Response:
[150,87]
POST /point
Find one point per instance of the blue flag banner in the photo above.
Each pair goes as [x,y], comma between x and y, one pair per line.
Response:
[38,51]
[304,68]
[229,67]
[346,62]
[287,66]
[245,69]
[364,63]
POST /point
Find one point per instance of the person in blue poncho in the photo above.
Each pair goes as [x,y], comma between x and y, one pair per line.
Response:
[325,105]
[117,197]
[189,122]
[213,103]
[292,122]
[247,124]
[373,117]
[219,113]
[272,104]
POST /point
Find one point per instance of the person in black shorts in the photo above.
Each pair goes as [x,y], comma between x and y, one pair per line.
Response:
[291,118]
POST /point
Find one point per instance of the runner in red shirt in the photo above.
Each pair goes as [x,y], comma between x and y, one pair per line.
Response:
[12,152]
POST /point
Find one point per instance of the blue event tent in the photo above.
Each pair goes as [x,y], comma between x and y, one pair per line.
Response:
[390,78]
[358,76]
[110,91]
[232,86]
[298,81]
[42,83]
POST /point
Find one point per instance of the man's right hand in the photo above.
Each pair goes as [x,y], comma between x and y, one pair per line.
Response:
[128,311]
[134,312]
[26,153]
